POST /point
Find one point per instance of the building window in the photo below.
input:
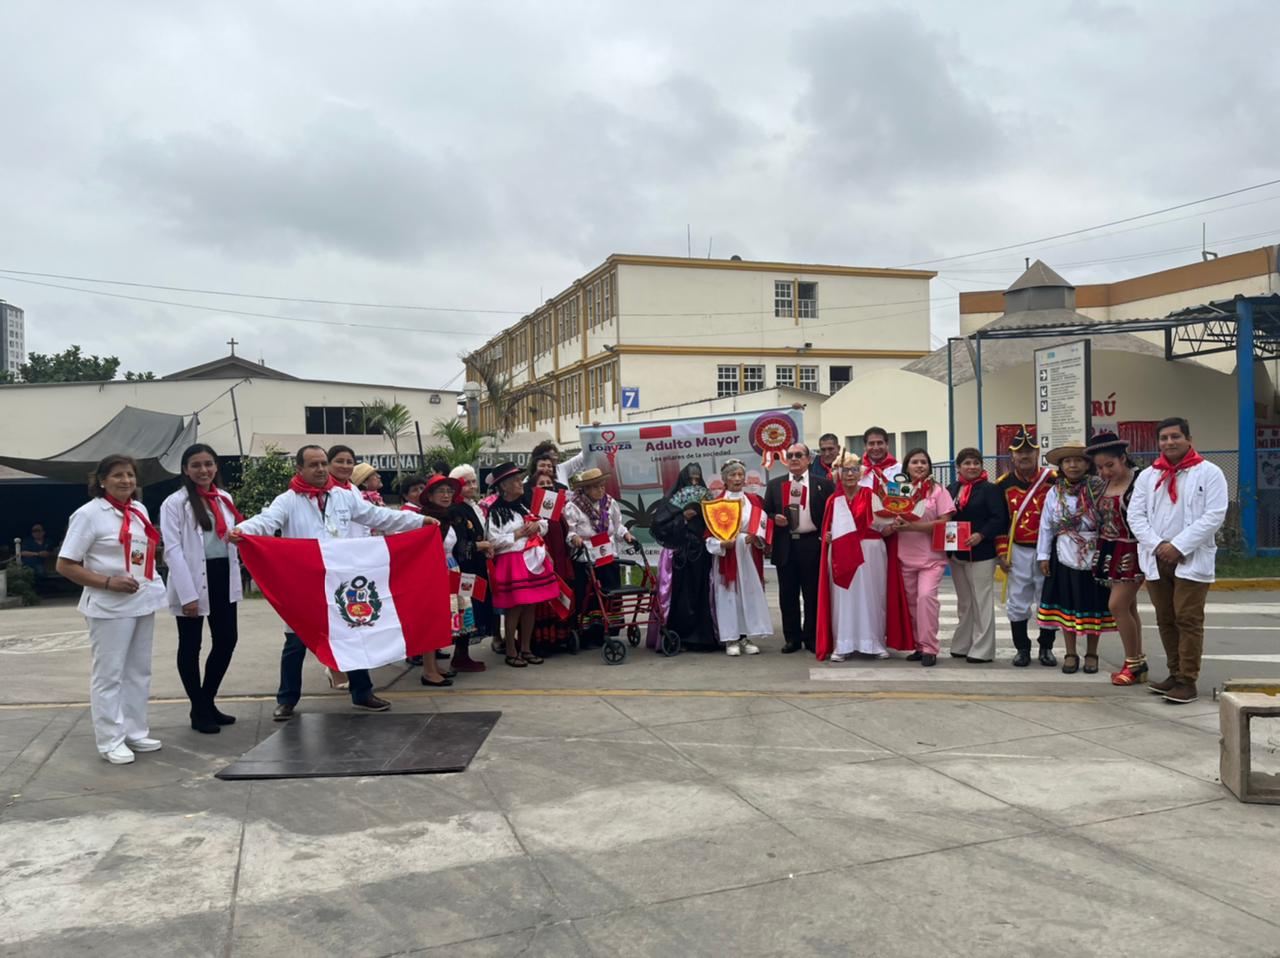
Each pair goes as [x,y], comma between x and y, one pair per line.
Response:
[607,288]
[783,303]
[841,376]
[807,300]
[752,379]
[808,378]
[591,307]
[914,440]
[599,287]
[727,381]
[337,421]
[786,375]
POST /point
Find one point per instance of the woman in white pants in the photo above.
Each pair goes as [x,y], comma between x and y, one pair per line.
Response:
[110,550]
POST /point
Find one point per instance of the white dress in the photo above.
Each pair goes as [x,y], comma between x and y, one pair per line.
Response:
[858,612]
[741,609]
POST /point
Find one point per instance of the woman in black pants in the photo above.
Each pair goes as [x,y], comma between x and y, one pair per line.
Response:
[204,580]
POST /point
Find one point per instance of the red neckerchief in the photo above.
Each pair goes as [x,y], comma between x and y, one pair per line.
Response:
[372,496]
[922,490]
[212,497]
[127,510]
[407,506]
[1170,471]
[879,467]
[303,488]
[340,484]
[967,488]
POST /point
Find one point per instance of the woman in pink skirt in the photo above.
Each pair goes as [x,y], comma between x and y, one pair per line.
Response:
[522,575]
[922,566]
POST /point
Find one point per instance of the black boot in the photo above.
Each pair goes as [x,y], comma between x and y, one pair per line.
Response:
[1021,643]
[202,718]
[1047,658]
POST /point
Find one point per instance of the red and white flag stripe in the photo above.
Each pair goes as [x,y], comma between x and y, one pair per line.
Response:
[357,603]
[563,603]
[759,524]
[547,504]
[602,550]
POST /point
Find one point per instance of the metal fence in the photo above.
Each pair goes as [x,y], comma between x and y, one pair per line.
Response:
[1228,460]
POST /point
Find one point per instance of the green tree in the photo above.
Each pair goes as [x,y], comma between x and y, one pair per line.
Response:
[393,420]
[72,366]
[463,444]
[261,480]
[504,398]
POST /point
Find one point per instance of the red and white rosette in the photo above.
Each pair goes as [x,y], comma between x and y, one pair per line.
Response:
[770,436]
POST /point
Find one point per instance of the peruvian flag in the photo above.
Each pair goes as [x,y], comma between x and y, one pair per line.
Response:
[758,522]
[846,546]
[357,603]
[563,603]
[547,503]
[468,585]
[602,550]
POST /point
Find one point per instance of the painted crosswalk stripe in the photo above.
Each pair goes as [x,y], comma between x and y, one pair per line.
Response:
[968,674]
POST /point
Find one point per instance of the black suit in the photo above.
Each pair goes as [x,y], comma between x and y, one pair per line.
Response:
[797,557]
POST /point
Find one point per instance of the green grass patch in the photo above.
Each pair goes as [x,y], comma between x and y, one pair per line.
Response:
[1240,567]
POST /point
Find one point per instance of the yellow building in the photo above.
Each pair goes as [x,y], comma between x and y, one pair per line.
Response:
[642,334]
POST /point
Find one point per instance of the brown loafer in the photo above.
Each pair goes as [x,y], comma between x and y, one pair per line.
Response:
[372,704]
[282,713]
[1182,694]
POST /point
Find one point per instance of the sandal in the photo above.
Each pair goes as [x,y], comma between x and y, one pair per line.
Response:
[515,662]
[1090,669]
[531,658]
[1070,664]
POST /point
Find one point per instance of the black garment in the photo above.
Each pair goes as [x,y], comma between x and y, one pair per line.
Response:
[775,503]
[222,635]
[690,612]
[470,530]
[987,512]
[797,558]
[818,471]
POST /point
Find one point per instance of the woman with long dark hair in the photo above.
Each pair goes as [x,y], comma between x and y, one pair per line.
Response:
[110,550]
[684,569]
[922,565]
[204,580]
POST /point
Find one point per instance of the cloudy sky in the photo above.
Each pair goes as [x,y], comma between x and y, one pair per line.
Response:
[479,156]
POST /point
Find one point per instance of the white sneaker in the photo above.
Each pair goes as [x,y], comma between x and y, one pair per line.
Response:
[883,655]
[144,744]
[120,755]
[838,657]
[749,647]
[733,648]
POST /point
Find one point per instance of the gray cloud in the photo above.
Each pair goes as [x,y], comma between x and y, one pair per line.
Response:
[883,102]
[344,181]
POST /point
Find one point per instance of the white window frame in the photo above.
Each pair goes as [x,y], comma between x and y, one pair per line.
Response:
[807,379]
[755,383]
[790,378]
[728,381]
[784,306]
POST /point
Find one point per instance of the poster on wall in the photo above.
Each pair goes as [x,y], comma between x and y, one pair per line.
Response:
[1063,408]
[643,459]
[1268,440]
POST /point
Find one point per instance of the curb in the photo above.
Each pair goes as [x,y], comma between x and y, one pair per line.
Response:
[1246,585]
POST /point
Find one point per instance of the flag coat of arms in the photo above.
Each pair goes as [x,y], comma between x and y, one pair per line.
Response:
[358,603]
[547,504]
[602,550]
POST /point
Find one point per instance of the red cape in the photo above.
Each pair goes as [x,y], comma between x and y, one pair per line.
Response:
[898,631]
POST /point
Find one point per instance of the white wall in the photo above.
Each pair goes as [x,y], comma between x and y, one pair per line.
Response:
[894,399]
[43,419]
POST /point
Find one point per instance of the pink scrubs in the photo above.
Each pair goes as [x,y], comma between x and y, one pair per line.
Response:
[922,570]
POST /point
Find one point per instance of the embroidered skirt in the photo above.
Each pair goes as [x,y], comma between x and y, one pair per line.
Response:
[514,585]
[1117,561]
[1074,601]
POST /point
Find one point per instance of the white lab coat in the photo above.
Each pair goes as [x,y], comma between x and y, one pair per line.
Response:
[184,554]
[1190,525]
[297,516]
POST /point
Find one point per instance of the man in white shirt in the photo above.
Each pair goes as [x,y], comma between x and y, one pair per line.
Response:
[798,502]
[1178,506]
[311,508]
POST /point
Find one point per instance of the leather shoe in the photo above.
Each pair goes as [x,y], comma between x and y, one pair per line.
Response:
[446,681]
[372,704]
[972,661]
[927,659]
[1047,658]
[1023,658]
[789,647]
[282,713]
[915,656]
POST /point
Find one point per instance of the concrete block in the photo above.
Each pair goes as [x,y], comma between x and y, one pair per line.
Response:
[1236,710]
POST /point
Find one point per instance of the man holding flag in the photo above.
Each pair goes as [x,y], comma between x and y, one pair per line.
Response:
[315,508]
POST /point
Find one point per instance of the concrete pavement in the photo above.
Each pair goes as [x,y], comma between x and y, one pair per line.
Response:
[695,805]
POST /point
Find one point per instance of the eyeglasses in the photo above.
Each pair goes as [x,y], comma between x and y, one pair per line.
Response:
[796,455]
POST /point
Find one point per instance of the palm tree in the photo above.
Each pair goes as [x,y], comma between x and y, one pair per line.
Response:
[463,445]
[502,397]
[393,420]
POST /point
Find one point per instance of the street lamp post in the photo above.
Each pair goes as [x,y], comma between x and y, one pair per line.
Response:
[471,390]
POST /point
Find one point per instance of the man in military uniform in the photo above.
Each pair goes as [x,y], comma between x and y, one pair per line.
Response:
[1024,488]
